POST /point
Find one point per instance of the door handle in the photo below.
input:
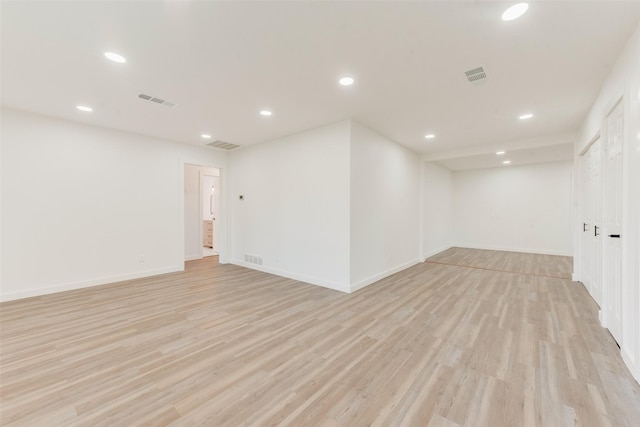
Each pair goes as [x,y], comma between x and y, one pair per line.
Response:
[614,236]
[584,226]
[595,231]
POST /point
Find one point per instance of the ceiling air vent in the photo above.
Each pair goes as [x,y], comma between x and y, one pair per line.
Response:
[475,75]
[222,145]
[156,100]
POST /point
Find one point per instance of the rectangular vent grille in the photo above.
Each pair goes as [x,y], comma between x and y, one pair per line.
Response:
[253,259]
[156,100]
[475,74]
[222,145]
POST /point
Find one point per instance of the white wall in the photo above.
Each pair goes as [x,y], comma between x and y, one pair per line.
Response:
[295,212]
[624,80]
[192,221]
[385,202]
[336,206]
[516,208]
[437,209]
[83,205]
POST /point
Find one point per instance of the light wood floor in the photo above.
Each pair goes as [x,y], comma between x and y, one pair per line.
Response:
[445,343]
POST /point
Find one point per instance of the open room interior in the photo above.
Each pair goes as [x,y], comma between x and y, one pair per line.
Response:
[345,213]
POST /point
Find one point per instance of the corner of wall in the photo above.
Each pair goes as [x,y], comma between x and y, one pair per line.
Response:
[379,276]
[384,207]
[318,281]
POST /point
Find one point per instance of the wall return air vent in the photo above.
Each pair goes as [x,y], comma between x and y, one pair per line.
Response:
[476,75]
[155,100]
[253,259]
[221,145]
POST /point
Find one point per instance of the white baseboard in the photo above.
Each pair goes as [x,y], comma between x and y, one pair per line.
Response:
[295,276]
[34,292]
[192,257]
[510,249]
[601,318]
[326,283]
[575,277]
[370,280]
[435,252]
[634,368]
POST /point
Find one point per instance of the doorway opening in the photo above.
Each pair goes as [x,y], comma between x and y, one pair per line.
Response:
[210,193]
[202,212]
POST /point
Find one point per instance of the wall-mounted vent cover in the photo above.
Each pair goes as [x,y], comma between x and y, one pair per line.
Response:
[156,100]
[221,145]
[253,259]
[475,75]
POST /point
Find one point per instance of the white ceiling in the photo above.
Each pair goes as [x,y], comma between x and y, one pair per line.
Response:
[517,157]
[222,62]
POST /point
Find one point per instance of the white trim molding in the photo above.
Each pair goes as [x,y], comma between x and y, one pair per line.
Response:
[38,291]
[508,249]
[295,276]
[434,252]
[376,277]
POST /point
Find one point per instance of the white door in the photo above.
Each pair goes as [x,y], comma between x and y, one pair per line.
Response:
[612,221]
[591,220]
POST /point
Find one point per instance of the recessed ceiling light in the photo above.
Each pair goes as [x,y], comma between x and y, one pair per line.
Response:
[84,108]
[430,136]
[115,57]
[266,113]
[525,116]
[205,136]
[515,11]
[346,81]
[506,162]
[500,153]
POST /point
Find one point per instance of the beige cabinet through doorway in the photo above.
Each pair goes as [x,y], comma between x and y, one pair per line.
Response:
[207,235]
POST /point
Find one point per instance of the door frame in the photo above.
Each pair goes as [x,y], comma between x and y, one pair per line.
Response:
[223,217]
[584,236]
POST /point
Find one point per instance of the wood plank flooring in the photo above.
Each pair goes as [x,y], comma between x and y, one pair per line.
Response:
[559,267]
[449,342]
